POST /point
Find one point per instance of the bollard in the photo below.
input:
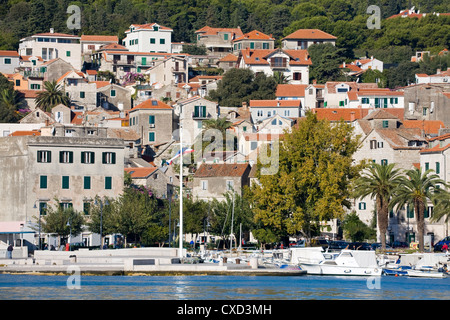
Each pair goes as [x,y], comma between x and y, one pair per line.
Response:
[238,261]
[225,259]
[254,263]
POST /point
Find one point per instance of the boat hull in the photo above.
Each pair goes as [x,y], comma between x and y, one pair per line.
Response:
[426,274]
[321,269]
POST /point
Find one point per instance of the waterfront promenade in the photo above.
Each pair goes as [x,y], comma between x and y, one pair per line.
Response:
[135,261]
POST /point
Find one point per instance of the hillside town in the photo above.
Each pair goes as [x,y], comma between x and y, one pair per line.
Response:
[131,100]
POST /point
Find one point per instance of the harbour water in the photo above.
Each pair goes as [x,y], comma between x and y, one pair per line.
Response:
[309,287]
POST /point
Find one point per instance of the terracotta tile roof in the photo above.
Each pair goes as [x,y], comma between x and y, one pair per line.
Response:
[254,35]
[331,85]
[9,53]
[27,58]
[299,57]
[309,34]
[408,14]
[351,67]
[229,58]
[352,96]
[97,38]
[441,137]
[32,94]
[91,72]
[141,172]
[25,133]
[274,103]
[380,114]
[148,26]
[123,133]
[379,92]
[77,118]
[101,84]
[398,138]
[337,114]
[291,90]
[113,46]
[437,148]
[206,30]
[260,56]
[55,34]
[152,104]
[222,170]
[428,126]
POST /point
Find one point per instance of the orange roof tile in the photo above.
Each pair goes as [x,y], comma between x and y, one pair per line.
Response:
[9,53]
[141,172]
[254,35]
[428,126]
[55,34]
[309,34]
[101,84]
[25,133]
[97,38]
[436,148]
[274,103]
[337,114]
[152,104]
[222,170]
[148,26]
[206,30]
[229,58]
[291,90]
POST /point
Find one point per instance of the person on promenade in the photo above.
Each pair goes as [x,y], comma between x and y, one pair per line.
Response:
[444,248]
[9,251]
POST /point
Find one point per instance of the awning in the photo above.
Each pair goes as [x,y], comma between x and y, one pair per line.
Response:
[10,227]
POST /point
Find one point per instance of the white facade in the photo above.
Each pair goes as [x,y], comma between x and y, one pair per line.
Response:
[51,46]
[263,109]
[9,61]
[148,38]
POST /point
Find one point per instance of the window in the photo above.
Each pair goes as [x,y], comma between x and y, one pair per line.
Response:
[65,205]
[87,157]
[86,208]
[341,103]
[265,45]
[287,113]
[373,144]
[410,212]
[113,93]
[82,94]
[151,119]
[87,183]
[109,158]
[424,111]
[43,182]
[394,100]
[65,157]
[44,156]
[151,137]
[377,102]
[42,208]
[230,185]
[278,62]
[65,182]
[342,90]
[362,206]
[67,53]
[162,41]
[155,28]
[225,37]
[297,76]
[438,167]
[204,185]
[427,166]
[199,111]
[35,86]
[253,145]
[385,124]
[144,61]
[108,183]
[384,162]
[152,40]
[17,83]
[380,144]
[365,100]
[252,45]
[7,61]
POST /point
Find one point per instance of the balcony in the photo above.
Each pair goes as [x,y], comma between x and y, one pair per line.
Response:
[201,116]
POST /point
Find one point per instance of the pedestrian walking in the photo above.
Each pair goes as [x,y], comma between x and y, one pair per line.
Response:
[9,251]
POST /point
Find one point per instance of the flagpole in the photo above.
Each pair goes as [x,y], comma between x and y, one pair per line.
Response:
[180,250]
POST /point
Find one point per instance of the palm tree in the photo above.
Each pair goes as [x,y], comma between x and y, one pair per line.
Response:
[221,125]
[415,190]
[280,78]
[441,206]
[51,96]
[10,103]
[379,182]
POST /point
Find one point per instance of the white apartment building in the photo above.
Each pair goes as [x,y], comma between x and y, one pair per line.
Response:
[9,61]
[148,38]
[52,45]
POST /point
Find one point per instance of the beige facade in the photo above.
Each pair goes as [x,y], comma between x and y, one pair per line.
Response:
[37,170]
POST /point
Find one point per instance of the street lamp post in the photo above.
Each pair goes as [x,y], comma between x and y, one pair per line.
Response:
[101,220]
[40,213]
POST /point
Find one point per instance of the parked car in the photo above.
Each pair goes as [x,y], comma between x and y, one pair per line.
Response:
[359,246]
[438,246]
[338,244]
[77,245]
[377,245]
[298,244]
[399,244]
[320,243]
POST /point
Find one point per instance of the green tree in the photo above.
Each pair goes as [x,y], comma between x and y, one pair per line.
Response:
[379,182]
[325,59]
[10,103]
[355,229]
[311,181]
[52,95]
[415,191]
[62,222]
[441,206]
[239,85]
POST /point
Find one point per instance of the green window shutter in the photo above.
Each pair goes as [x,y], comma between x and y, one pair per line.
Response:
[67,53]
[341,103]
[144,61]
[377,102]
[425,213]
[65,182]
[385,124]
[43,182]
[104,157]
[42,208]
[427,166]
[410,212]
[83,157]
[384,162]
[70,157]
[87,183]
[252,45]
[438,168]
[82,94]
[86,208]
[108,183]
[196,111]
[113,158]
[61,156]
[113,93]
[151,136]
[162,41]
[225,36]
[385,103]
[152,40]
[151,119]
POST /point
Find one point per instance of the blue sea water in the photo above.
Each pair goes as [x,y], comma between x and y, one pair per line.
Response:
[309,287]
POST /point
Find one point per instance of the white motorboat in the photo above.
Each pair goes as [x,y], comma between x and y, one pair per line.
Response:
[426,273]
[344,263]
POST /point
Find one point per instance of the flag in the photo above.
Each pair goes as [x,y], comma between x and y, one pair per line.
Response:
[185,150]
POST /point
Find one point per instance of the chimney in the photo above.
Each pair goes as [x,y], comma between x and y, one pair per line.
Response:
[52,30]
[438,71]
[343,64]
[244,105]
[352,116]
[314,81]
